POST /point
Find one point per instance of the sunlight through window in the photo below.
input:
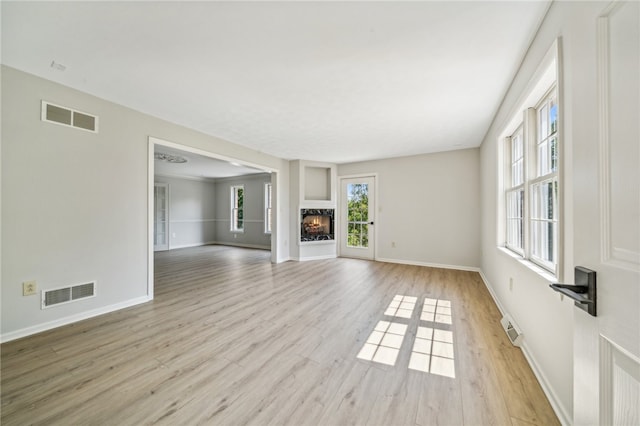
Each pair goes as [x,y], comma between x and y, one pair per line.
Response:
[384,342]
[436,310]
[433,352]
[401,306]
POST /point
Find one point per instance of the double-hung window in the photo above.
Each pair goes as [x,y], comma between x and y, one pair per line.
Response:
[237,208]
[531,187]
[544,186]
[267,208]
[515,193]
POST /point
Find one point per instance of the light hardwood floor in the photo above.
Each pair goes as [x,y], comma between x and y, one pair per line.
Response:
[233,339]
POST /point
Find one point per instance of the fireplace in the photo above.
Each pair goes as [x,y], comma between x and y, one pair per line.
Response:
[317,225]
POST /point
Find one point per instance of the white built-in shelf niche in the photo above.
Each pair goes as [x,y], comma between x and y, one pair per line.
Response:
[317,183]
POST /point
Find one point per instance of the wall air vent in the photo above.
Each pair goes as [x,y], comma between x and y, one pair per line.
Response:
[513,332]
[62,295]
[68,117]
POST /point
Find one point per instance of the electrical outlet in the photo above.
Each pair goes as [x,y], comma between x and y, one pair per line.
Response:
[29,288]
[510,284]
[393,244]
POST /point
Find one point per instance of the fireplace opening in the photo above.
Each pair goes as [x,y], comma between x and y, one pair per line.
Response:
[316,225]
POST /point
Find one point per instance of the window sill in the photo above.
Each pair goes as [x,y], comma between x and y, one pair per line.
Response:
[237,231]
[543,273]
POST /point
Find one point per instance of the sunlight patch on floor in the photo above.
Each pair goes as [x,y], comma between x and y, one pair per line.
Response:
[384,343]
[433,352]
[436,310]
[401,306]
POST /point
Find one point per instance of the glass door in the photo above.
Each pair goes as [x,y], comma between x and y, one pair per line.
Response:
[357,217]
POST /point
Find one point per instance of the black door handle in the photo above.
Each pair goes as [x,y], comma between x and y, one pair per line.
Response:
[370,223]
[583,292]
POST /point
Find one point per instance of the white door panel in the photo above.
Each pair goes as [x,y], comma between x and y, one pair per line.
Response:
[607,232]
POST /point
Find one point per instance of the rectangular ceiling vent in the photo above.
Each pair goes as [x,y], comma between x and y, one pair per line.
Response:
[68,117]
[70,294]
[512,330]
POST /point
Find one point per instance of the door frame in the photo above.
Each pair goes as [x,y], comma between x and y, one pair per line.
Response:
[375,212]
[275,194]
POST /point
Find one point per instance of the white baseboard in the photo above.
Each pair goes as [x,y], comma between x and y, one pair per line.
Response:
[558,407]
[252,246]
[430,265]
[306,258]
[28,331]
[181,246]
[492,293]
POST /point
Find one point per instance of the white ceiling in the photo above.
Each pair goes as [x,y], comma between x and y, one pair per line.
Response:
[327,81]
[198,166]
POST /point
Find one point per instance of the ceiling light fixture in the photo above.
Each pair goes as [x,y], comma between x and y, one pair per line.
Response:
[169,158]
[236,164]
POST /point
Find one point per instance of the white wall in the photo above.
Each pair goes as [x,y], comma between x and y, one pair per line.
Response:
[546,321]
[428,205]
[191,211]
[253,235]
[295,168]
[74,203]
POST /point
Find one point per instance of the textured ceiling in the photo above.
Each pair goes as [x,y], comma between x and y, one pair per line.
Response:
[198,166]
[327,81]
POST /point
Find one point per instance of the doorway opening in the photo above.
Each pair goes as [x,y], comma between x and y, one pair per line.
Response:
[191,201]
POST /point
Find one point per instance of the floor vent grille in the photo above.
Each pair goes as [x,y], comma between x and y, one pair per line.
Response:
[69,294]
[513,332]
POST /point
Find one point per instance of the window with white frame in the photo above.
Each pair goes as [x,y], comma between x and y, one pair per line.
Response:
[237,208]
[544,185]
[531,187]
[514,199]
[267,208]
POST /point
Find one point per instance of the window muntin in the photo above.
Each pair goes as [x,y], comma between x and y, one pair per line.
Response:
[237,208]
[267,208]
[532,188]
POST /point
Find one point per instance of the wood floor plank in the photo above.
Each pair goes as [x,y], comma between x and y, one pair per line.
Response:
[232,339]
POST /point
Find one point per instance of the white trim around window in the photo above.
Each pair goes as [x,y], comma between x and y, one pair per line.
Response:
[531,181]
[268,211]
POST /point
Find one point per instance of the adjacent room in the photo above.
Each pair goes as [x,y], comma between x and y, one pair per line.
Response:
[201,200]
[323,213]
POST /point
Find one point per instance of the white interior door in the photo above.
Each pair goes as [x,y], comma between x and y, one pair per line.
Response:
[160,217]
[607,232]
[357,222]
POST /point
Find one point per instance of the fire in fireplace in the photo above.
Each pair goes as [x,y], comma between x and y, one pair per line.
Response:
[317,224]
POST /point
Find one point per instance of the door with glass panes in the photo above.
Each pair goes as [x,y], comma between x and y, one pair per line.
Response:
[357,224]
